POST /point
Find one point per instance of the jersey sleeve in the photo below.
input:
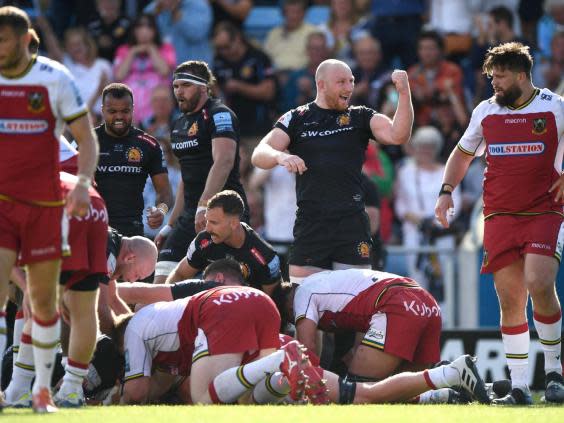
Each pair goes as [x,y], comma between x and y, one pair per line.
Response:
[194,255]
[223,124]
[70,103]
[138,360]
[305,306]
[270,271]
[157,164]
[366,114]
[285,121]
[472,142]
[186,289]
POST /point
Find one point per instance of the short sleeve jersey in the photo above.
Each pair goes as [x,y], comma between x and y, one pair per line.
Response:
[151,341]
[344,299]
[524,149]
[259,262]
[332,144]
[191,139]
[34,108]
[112,250]
[123,167]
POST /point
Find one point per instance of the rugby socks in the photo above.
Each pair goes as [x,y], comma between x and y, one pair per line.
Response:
[549,329]
[3,337]
[23,372]
[18,329]
[272,389]
[229,385]
[443,376]
[516,340]
[45,337]
[75,373]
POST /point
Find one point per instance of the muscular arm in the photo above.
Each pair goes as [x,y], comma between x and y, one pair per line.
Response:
[136,391]
[306,332]
[456,167]
[143,293]
[270,151]
[178,204]
[87,141]
[224,151]
[182,271]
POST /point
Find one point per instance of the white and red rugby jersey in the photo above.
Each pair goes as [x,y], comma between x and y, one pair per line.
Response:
[524,150]
[344,299]
[33,110]
[68,156]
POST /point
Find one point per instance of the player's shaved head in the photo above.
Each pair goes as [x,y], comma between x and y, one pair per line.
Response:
[144,248]
[326,67]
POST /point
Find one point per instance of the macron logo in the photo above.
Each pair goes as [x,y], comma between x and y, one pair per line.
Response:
[516,149]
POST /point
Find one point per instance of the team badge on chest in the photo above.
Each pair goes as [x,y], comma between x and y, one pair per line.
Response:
[134,155]
[193,129]
[343,120]
[35,102]
[539,126]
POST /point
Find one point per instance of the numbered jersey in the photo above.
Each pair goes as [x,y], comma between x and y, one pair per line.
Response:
[33,110]
[524,151]
[344,299]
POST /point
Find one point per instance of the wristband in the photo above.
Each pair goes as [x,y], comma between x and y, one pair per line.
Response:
[163,208]
[445,191]
[201,209]
[84,181]
[165,230]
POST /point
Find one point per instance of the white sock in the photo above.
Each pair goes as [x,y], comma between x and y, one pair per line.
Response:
[23,372]
[442,377]
[45,336]
[75,373]
[18,329]
[271,390]
[3,337]
[516,340]
[229,385]
[549,329]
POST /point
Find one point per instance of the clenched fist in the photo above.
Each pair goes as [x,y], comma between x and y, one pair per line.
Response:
[400,80]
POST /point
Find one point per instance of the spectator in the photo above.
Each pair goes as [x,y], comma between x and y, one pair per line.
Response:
[369,72]
[245,79]
[187,25]
[110,28]
[530,11]
[286,44]
[342,28]
[553,71]
[551,23]
[234,11]
[300,85]
[429,77]
[453,20]
[159,122]
[397,24]
[144,63]
[80,57]
[418,182]
[499,29]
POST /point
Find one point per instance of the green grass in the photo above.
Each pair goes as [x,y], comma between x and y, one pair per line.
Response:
[296,414]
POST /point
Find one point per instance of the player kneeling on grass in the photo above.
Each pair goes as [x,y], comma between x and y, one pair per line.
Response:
[81,274]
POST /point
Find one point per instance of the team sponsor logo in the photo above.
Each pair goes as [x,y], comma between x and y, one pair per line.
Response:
[540,246]
[118,169]
[258,256]
[539,126]
[285,119]
[307,134]
[511,121]
[93,215]
[12,93]
[223,121]
[35,102]
[185,144]
[23,126]
[193,129]
[274,267]
[516,149]
[245,270]
[343,120]
[363,249]
[420,309]
[547,97]
[134,155]
[43,251]
[234,296]
[205,243]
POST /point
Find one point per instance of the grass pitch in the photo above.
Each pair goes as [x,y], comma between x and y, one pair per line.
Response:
[296,414]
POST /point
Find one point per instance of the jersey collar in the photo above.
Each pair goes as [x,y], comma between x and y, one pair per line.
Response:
[526,103]
[25,71]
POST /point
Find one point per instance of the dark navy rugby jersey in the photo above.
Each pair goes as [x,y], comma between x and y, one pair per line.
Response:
[332,144]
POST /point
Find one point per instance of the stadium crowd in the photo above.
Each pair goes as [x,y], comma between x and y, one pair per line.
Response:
[198,110]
